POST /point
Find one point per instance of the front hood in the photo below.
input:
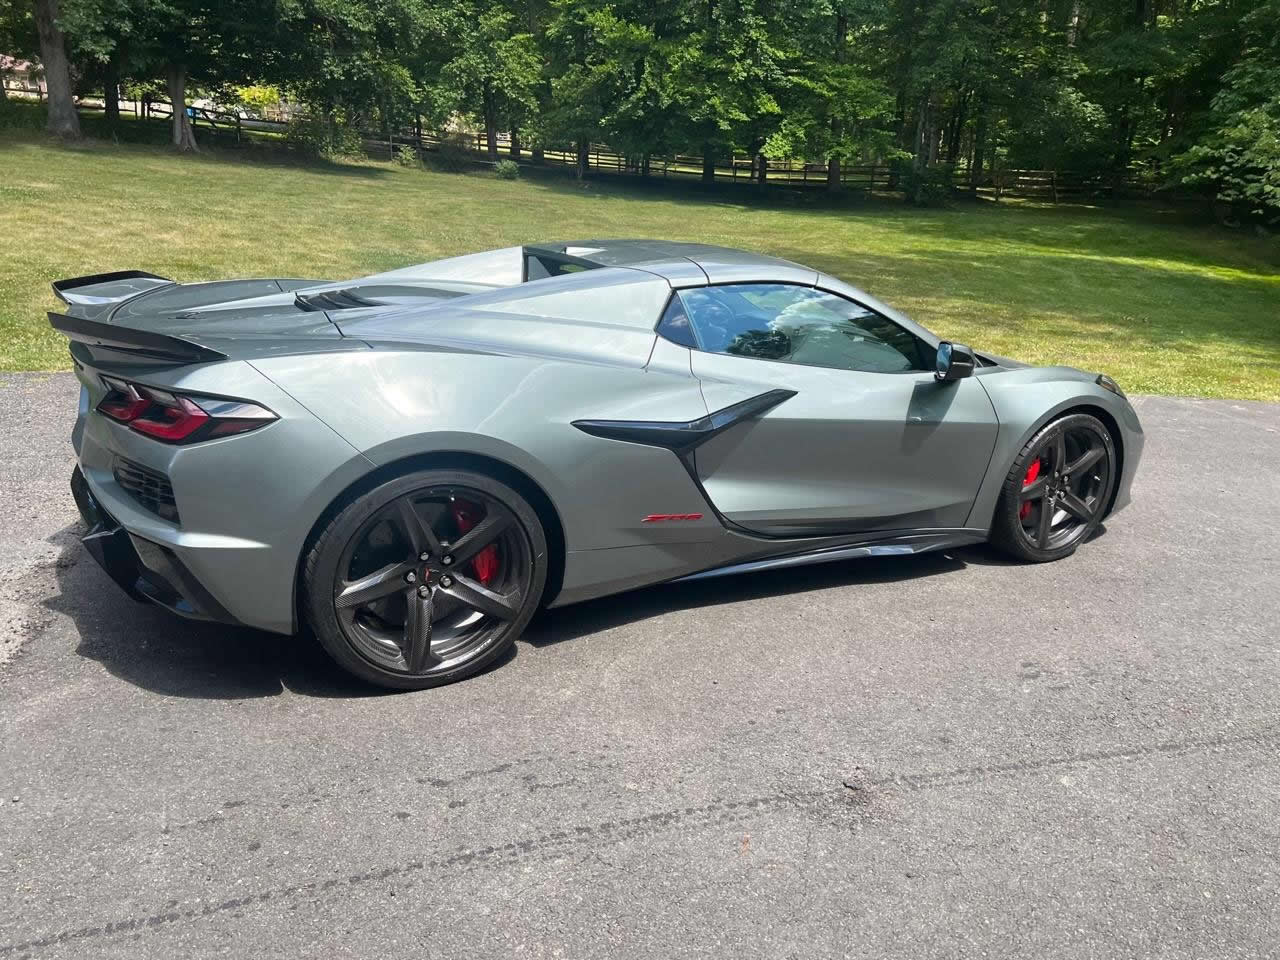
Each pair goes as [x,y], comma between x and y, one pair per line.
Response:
[1003,362]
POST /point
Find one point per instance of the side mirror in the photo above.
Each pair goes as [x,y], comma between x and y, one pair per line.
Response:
[955,362]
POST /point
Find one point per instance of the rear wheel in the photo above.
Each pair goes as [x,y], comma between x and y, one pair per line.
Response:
[1057,491]
[427,579]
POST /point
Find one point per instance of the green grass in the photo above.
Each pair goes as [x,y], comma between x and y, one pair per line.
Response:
[1163,306]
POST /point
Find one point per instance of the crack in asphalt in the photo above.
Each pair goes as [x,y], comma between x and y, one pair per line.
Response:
[616,831]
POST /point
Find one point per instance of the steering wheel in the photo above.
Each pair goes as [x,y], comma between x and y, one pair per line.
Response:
[715,324]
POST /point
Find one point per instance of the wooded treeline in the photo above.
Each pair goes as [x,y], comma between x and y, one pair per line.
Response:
[1186,90]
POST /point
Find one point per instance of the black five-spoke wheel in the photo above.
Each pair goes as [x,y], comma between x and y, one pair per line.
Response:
[1058,490]
[426,579]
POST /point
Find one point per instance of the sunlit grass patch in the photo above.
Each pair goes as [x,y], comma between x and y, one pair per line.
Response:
[1163,306]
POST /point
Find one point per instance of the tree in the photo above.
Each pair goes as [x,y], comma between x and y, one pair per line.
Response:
[490,69]
[212,43]
[355,62]
[1238,157]
[829,104]
[18,36]
[63,119]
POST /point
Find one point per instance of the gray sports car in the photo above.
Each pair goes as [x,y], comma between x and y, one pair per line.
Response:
[413,462]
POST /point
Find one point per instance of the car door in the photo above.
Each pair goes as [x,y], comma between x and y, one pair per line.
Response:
[870,440]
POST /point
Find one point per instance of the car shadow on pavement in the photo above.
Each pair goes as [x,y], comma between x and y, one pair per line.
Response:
[160,652]
[581,619]
[157,651]
[984,555]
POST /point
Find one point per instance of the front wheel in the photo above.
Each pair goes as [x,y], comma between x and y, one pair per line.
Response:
[426,579]
[1057,491]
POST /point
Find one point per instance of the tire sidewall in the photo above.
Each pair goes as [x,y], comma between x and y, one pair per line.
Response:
[1006,528]
[321,572]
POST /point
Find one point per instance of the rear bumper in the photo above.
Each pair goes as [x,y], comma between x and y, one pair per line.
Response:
[247,502]
[146,571]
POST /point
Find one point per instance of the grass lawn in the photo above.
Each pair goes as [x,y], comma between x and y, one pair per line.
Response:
[1163,306]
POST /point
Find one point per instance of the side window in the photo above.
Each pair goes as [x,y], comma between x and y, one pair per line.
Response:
[793,324]
[675,324]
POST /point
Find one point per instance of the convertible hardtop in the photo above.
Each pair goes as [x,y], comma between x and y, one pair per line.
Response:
[157,319]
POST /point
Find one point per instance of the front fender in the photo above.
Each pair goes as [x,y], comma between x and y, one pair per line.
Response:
[1025,400]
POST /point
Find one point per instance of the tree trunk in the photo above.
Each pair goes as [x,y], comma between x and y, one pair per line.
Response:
[979,146]
[539,153]
[958,119]
[515,145]
[841,45]
[184,138]
[762,168]
[63,119]
[584,154]
[490,121]
[1073,23]
[708,164]
[111,91]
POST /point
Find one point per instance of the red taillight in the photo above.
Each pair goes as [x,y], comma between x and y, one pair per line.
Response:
[123,403]
[172,423]
[178,418]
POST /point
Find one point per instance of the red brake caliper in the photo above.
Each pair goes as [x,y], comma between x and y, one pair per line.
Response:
[485,564]
[1033,471]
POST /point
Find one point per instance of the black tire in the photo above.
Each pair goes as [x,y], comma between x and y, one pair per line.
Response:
[1041,485]
[395,619]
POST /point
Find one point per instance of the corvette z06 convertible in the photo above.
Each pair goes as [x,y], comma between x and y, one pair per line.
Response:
[412,463]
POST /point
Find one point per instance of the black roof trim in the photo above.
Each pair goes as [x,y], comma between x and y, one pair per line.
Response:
[555,257]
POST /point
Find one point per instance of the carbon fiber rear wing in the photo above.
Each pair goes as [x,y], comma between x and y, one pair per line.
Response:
[140,343]
[103,288]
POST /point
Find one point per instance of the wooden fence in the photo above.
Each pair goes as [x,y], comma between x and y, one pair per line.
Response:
[1048,185]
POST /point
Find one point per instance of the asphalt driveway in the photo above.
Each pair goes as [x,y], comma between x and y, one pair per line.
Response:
[944,755]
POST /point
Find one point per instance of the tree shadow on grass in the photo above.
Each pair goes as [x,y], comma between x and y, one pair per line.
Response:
[1099,230]
[213,154]
[1069,298]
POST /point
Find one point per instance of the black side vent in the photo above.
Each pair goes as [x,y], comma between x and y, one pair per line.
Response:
[333,300]
[150,488]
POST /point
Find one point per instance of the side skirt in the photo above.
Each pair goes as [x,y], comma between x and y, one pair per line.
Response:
[900,543]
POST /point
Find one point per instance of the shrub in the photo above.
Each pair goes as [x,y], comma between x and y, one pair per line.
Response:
[406,156]
[256,99]
[506,170]
[317,137]
[928,186]
[454,154]
[17,114]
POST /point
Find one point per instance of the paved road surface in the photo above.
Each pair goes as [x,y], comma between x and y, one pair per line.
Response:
[912,757]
